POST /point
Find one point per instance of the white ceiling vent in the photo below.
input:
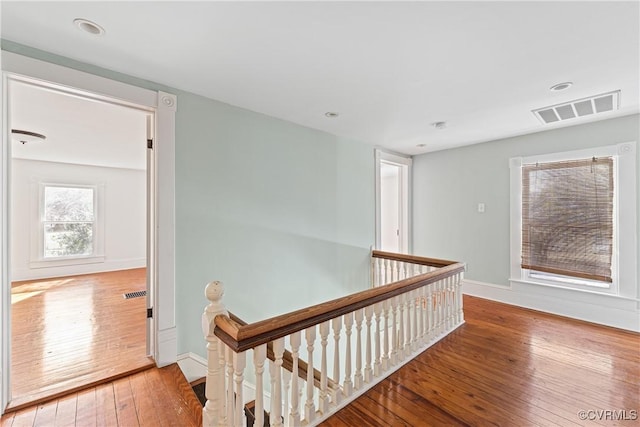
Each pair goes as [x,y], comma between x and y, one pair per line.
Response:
[579,108]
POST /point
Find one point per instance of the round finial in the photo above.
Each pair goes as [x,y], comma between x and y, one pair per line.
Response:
[214,291]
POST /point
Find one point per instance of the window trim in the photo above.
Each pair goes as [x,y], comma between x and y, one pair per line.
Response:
[38,260]
[624,261]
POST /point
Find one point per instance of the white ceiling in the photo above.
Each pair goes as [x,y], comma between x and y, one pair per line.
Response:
[77,130]
[390,69]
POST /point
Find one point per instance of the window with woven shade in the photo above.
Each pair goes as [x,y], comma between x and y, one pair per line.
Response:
[567,218]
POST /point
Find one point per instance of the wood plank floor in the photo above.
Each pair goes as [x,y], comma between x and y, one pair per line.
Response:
[154,397]
[512,367]
[73,331]
[505,366]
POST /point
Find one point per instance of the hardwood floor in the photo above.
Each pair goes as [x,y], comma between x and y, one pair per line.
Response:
[75,331]
[513,367]
[154,397]
[505,366]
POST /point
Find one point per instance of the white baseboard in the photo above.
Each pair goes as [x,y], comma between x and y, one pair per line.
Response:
[167,347]
[601,309]
[192,366]
[19,274]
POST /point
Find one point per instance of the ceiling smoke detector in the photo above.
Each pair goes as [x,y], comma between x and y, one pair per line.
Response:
[24,136]
[579,108]
[439,125]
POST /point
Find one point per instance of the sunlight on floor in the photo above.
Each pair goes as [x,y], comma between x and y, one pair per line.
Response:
[22,292]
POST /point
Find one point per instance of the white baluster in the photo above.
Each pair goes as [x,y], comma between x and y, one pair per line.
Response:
[368,370]
[450,303]
[429,312]
[347,385]
[309,406]
[460,303]
[401,328]
[275,418]
[337,326]
[294,418]
[324,396]
[385,354]
[222,386]
[213,412]
[358,377]
[386,271]
[394,330]
[286,384]
[230,396]
[239,363]
[259,356]
[415,298]
[421,308]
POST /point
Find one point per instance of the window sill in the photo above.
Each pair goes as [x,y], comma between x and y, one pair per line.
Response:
[62,262]
[569,288]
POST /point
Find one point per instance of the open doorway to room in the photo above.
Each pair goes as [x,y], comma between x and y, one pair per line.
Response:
[393,195]
[78,251]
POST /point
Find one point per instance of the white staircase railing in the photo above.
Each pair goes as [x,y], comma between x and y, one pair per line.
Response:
[350,344]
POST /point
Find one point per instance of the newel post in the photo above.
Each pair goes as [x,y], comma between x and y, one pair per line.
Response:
[214,410]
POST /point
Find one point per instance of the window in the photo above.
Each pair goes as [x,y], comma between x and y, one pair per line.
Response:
[573,219]
[567,218]
[68,221]
[67,226]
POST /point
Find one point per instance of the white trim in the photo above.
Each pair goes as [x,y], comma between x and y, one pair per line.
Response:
[79,83]
[406,194]
[193,367]
[87,267]
[166,346]
[618,312]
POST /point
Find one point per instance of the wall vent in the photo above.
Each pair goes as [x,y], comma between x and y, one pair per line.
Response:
[579,108]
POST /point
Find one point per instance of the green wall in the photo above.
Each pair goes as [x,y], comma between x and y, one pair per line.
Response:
[449,184]
[282,214]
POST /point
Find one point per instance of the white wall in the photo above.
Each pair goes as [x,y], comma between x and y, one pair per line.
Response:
[124,215]
[448,185]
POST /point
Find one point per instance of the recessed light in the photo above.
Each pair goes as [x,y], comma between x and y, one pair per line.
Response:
[421,145]
[439,125]
[560,86]
[331,114]
[89,26]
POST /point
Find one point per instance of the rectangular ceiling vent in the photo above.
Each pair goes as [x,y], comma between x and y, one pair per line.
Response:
[579,108]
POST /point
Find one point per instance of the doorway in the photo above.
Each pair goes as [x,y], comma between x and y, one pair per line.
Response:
[78,203]
[160,269]
[393,198]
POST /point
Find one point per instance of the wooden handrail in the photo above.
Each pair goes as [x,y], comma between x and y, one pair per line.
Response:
[413,259]
[243,337]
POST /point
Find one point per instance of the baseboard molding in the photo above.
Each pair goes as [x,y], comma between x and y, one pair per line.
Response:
[74,270]
[167,347]
[603,310]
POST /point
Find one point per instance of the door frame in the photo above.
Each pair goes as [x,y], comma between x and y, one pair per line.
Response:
[161,330]
[404,194]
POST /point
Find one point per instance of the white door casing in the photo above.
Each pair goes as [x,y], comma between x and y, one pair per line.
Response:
[162,339]
[402,199]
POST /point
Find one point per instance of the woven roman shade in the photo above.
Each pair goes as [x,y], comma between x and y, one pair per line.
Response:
[567,218]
